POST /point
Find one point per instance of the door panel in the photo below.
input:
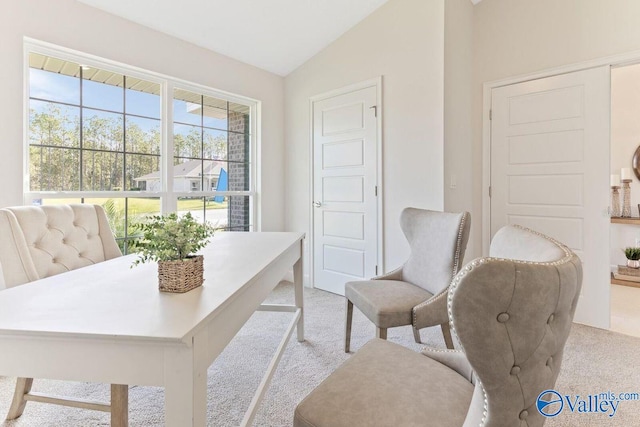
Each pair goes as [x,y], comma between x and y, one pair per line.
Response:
[343,154]
[348,225]
[343,189]
[550,170]
[345,175]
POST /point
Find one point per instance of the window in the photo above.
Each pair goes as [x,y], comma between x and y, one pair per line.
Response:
[89,129]
[95,135]
[211,140]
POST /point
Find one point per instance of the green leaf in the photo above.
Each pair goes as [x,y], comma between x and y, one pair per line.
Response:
[169,238]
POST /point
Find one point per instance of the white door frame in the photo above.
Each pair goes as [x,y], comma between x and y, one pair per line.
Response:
[612,61]
[377,83]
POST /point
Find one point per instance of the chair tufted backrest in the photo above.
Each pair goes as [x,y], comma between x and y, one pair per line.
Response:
[512,319]
[46,240]
[438,241]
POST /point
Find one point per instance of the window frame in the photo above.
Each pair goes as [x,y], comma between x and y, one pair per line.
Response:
[168,197]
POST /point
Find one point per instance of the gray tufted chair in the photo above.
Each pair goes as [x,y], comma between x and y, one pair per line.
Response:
[511,314]
[416,293]
[41,241]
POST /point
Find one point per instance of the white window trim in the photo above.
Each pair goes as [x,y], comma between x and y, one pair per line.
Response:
[167,196]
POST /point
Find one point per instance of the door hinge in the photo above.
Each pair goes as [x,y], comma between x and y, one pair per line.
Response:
[490,114]
[375,190]
[376,270]
[489,191]
[375,110]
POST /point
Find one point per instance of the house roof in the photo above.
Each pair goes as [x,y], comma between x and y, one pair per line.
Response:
[213,107]
[190,169]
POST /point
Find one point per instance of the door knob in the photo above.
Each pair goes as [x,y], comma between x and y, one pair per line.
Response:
[317,204]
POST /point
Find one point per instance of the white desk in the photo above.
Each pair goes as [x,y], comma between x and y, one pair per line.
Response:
[109,323]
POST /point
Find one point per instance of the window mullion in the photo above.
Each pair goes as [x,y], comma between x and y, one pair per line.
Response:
[81,136]
[169,201]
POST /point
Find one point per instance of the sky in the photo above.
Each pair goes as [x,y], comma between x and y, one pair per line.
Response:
[56,87]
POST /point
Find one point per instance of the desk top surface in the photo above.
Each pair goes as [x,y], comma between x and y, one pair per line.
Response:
[112,300]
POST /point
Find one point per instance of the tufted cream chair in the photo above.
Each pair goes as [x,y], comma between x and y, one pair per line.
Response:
[511,314]
[416,293]
[41,241]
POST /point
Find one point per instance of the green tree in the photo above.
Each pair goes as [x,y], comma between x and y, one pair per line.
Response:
[55,164]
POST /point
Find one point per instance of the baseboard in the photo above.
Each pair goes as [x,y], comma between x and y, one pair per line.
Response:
[305,279]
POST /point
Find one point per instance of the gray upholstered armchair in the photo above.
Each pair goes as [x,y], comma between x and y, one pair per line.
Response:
[41,241]
[416,293]
[511,314]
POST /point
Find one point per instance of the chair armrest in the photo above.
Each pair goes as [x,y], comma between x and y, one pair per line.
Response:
[392,275]
[432,312]
[454,359]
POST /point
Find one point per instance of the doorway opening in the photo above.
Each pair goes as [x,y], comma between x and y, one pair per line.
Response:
[625,232]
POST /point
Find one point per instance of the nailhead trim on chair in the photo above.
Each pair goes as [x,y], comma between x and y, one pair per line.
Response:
[456,258]
[479,261]
[441,350]
[485,406]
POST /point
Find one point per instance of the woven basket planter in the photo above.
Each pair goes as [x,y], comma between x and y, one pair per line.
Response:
[181,275]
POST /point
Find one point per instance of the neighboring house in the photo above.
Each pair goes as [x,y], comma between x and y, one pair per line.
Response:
[187,176]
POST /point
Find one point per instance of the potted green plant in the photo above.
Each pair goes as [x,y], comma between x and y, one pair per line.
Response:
[172,242]
[633,257]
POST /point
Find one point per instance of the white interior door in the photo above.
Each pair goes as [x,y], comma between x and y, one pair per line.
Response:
[344,189]
[550,171]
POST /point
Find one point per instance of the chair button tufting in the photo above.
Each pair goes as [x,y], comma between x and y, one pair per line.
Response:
[515,370]
[524,414]
[550,319]
[550,361]
[503,317]
[53,260]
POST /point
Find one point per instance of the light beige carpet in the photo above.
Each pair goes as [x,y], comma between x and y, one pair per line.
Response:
[595,361]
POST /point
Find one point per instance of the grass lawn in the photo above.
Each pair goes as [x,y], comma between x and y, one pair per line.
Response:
[141,206]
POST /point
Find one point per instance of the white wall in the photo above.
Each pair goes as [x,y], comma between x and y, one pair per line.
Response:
[625,139]
[77,26]
[404,42]
[516,37]
[458,107]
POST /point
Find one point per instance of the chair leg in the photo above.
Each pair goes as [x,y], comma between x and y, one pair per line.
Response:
[347,326]
[416,335]
[119,405]
[446,332]
[23,386]
[381,333]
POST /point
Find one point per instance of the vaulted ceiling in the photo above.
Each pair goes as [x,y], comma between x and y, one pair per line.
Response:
[275,35]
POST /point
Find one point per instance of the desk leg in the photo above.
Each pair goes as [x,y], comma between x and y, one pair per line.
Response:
[185,384]
[119,405]
[297,282]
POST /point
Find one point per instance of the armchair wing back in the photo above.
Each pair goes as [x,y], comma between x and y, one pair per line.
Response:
[435,257]
[42,241]
[512,318]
